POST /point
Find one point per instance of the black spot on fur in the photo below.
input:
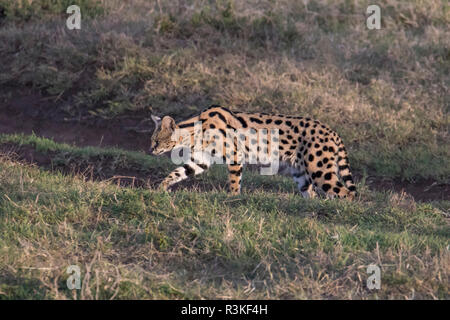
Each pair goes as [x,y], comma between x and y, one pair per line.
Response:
[347,178]
[186,125]
[242,121]
[236,172]
[214,113]
[255,120]
[189,170]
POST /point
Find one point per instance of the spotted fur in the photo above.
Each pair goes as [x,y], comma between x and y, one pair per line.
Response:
[315,154]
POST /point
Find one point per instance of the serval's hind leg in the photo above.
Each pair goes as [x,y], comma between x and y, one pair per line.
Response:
[303,182]
[327,181]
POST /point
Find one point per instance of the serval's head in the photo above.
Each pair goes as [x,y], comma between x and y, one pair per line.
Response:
[162,136]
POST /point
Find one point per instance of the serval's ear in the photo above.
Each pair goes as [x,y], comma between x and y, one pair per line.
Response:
[156,120]
[168,123]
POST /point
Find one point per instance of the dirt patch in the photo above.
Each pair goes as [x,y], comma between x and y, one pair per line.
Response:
[424,190]
[32,113]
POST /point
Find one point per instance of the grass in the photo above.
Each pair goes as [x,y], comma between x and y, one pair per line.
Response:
[139,243]
[20,11]
[384,91]
[48,146]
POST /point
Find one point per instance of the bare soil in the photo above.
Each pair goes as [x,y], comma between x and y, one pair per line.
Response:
[32,113]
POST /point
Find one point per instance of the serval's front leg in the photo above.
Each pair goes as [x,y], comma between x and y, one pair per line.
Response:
[181,173]
[234,178]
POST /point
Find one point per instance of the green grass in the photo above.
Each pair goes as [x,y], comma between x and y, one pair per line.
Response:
[105,163]
[136,243]
[48,146]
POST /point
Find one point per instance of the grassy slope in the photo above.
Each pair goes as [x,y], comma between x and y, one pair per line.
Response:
[139,243]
